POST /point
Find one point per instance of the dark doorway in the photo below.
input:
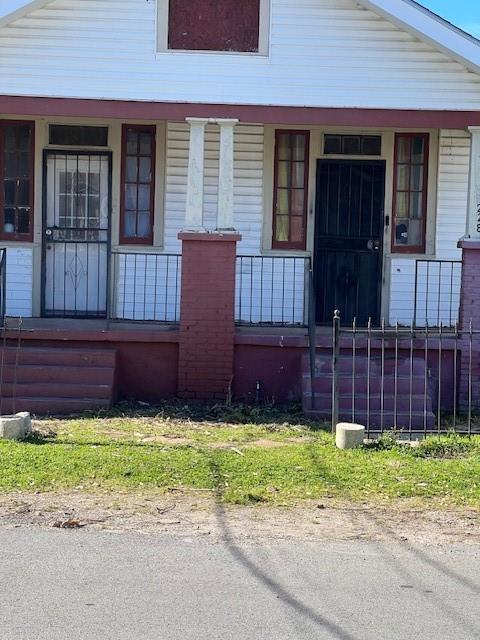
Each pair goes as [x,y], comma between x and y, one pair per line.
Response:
[349,239]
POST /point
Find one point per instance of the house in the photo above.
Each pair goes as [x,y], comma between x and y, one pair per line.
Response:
[177,174]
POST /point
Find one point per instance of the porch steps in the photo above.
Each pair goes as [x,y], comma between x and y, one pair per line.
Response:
[56,381]
[368,401]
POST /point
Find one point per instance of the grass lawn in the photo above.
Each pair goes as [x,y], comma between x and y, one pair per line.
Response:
[242,455]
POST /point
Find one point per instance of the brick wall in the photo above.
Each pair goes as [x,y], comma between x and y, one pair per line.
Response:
[470,312]
[207,324]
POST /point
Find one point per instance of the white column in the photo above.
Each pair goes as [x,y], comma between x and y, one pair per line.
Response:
[225,174]
[194,208]
[473,215]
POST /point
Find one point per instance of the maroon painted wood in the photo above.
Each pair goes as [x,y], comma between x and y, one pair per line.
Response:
[291,244]
[151,130]
[294,116]
[209,25]
[20,237]
[421,247]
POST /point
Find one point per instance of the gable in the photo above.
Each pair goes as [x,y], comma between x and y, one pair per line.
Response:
[322,53]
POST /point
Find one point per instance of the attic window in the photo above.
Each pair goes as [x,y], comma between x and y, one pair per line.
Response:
[228,26]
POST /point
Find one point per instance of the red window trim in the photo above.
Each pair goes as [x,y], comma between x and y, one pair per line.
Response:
[395,248]
[288,244]
[17,237]
[152,129]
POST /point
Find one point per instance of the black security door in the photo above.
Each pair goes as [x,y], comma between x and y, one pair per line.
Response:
[348,239]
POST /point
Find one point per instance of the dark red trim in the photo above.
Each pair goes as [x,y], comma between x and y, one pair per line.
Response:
[209,237]
[467,243]
[152,130]
[395,248]
[278,244]
[178,111]
[17,237]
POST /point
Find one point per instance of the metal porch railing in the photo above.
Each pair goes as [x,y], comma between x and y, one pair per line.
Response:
[146,287]
[271,291]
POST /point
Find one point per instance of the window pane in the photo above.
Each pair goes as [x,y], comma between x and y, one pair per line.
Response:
[403,177]
[333,144]
[11,168]
[416,205]
[418,149]
[23,221]
[132,142]
[23,194]
[10,139]
[131,196]
[403,149]
[351,145]
[143,224]
[130,223]
[416,183]
[372,145]
[283,146]
[145,144]
[9,191]
[283,176]
[402,205]
[283,203]
[282,229]
[299,147]
[297,228]
[9,226]
[298,201]
[78,136]
[298,175]
[145,170]
[131,172]
[144,197]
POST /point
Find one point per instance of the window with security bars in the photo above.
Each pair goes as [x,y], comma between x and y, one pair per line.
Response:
[16,169]
[410,192]
[290,189]
[138,184]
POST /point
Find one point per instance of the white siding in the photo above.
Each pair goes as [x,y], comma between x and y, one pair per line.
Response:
[19,282]
[438,290]
[248,195]
[323,53]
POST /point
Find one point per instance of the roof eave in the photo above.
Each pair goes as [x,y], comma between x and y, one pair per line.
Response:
[430,28]
[18,8]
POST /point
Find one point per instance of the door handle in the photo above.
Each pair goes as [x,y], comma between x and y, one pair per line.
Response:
[373,245]
[49,232]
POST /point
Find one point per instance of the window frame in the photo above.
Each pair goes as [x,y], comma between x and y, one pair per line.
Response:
[17,237]
[289,244]
[162,18]
[419,248]
[123,239]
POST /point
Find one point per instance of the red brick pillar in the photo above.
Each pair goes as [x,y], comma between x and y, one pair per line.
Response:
[470,312]
[207,315]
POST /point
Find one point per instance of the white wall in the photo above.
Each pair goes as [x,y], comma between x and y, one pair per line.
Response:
[438,291]
[323,53]
[19,281]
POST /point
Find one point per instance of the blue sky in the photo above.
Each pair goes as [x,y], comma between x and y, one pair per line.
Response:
[463,13]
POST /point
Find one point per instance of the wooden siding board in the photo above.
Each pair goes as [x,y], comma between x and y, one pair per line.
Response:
[73,46]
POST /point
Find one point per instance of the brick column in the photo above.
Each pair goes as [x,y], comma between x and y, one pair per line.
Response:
[470,312]
[207,315]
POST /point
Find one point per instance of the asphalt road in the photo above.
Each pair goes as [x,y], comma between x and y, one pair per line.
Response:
[82,585]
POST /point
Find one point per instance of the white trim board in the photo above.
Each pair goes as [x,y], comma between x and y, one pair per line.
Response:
[407,14]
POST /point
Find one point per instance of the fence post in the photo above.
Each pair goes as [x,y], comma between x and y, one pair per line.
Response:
[312,335]
[335,363]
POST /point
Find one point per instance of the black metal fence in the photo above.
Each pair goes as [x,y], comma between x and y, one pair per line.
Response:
[3,285]
[146,287]
[415,381]
[437,292]
[271,290]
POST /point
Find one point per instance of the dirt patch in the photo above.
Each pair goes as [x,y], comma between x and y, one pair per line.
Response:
[197,513]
